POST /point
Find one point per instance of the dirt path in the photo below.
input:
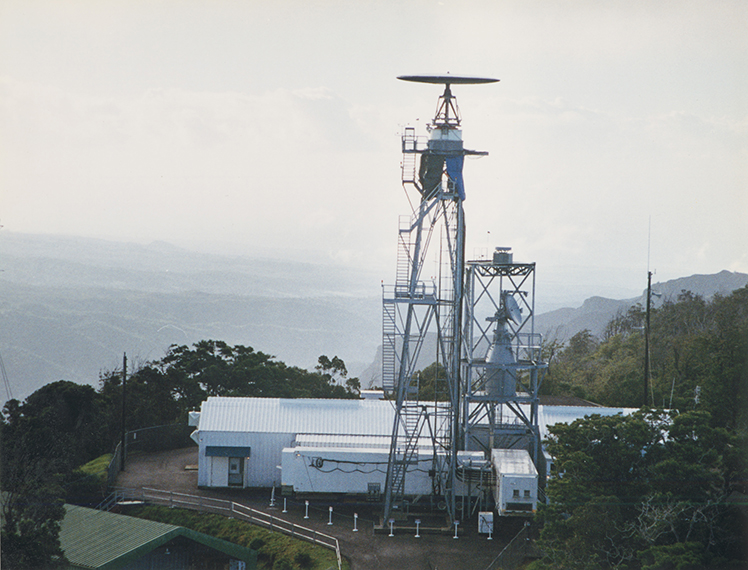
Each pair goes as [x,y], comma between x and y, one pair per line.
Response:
[364,549]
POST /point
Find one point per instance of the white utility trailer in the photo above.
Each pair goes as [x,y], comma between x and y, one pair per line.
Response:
[516,489]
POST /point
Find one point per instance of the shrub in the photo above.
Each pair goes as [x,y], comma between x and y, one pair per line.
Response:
[304,560]
[282,564]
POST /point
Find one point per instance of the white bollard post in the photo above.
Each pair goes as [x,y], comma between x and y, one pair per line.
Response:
[392,527]
[490,532]
[284,506]
[418,524]
[272,498]
[330,521]
[456,523]
[306,510]
[355,522]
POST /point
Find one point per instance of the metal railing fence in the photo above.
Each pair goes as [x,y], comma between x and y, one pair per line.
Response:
[157,438]
[513,553]
[114,467]
[226,508]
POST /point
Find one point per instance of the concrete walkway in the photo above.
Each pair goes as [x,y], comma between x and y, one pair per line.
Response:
[171,471]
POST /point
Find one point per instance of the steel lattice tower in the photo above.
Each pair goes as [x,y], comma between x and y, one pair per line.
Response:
[422,304]
[502,365]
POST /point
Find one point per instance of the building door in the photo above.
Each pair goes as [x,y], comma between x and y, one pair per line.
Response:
[236,471]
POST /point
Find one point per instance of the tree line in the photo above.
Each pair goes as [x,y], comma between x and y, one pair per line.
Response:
[63,425]
[666,487]
[698,359]
[654,490]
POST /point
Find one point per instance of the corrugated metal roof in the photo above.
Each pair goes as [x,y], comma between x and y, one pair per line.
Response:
[105,541]
[550,415]
[276,415]
[94,539]
[345,417]
[513,462]
[341,440]
[351,441]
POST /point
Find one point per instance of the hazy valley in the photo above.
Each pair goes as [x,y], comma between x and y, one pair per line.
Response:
[70,307]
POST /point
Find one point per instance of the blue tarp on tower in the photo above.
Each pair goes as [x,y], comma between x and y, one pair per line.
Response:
[454,171]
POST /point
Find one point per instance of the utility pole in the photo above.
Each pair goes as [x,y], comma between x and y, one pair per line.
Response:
[124,400]
[646,339]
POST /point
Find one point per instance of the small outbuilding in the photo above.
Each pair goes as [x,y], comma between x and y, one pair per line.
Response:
[98,540]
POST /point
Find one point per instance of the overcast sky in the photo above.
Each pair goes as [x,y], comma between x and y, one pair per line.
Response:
[272,128]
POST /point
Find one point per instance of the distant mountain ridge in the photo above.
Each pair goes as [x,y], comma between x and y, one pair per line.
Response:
[596,312]
[62,261]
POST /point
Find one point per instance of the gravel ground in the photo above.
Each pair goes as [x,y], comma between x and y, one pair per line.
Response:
[365,550]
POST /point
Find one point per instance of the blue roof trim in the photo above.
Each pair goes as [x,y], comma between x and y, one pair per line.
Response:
[220,451]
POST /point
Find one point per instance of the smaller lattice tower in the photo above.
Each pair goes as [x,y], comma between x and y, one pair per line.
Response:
[502,368]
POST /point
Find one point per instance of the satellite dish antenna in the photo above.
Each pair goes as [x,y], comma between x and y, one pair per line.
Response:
[447,79]
[447,114]
[513,311]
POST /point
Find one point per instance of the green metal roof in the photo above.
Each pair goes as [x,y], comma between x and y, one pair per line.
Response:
[106,541]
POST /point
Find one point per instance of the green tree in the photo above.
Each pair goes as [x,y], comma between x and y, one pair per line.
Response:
[213,368]
[630,322]
[725,389]
[42,440]
[636,488]
[620,371]
[698,359]
[432,383]
[573,369]
[164,391]
[335,374]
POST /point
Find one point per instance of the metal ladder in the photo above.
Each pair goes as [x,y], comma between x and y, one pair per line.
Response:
[389,345]
[408,165]
[413,418]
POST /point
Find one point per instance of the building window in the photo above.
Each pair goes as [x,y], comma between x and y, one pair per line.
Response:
[516,494]
[527,493]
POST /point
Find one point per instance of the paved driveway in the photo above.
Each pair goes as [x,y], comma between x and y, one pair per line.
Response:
[171,471]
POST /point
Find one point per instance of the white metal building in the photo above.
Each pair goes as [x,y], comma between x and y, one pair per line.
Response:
[351,470]
[241,439]
[265,442]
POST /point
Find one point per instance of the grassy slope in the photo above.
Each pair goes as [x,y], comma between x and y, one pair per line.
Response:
[276,551]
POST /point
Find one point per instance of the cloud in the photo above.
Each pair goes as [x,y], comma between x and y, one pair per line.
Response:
[278,126]
[284,166]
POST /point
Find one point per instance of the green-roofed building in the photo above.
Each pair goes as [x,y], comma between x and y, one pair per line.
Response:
[106,541]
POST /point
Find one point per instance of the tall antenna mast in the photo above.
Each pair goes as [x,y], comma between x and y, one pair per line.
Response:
[414,308]
[647,318]
[124,411]
[649,241]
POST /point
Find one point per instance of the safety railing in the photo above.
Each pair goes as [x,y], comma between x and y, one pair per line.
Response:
[156,438]
[513,553]
[233,510]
